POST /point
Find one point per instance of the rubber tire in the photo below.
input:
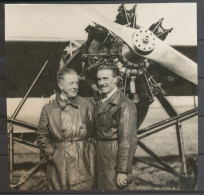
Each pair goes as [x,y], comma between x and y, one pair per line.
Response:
[190,183]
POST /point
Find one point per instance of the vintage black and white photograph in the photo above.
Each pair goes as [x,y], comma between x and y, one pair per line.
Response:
[102,96]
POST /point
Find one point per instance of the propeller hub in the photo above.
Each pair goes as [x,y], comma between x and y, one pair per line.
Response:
[144,41]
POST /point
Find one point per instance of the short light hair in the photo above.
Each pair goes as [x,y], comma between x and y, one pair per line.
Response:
[112,67]
[61,73]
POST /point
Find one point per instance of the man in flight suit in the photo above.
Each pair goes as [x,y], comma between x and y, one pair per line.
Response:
[116,132]
[64,136]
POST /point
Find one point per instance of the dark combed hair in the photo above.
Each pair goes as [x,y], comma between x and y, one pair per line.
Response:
[112,67]
[62,72]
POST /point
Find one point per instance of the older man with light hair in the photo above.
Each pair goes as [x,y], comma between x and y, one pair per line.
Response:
[65,135]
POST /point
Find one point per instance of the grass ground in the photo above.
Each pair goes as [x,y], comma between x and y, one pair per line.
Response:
[146,177]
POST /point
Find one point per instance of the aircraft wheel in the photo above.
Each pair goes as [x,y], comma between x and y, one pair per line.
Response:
[190,182]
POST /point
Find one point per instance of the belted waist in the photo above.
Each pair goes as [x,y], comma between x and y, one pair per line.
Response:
[106,139]
[73,139]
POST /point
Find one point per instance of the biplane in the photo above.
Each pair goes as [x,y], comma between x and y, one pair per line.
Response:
[149,69]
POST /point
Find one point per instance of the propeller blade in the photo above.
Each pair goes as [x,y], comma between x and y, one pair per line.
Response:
[125,33]
[145,44]
[173,60]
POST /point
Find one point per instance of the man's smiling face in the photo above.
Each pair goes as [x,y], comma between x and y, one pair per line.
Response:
[69,85]
[106,80]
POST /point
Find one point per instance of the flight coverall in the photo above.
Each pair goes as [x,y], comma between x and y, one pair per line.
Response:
[65,137]
[116,135]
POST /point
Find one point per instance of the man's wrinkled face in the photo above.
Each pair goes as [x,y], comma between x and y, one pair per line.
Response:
[106,81]
[69,85]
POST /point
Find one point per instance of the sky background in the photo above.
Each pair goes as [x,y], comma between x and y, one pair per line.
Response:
[61,22]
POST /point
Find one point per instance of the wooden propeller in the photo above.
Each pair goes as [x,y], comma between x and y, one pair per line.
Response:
[145,44]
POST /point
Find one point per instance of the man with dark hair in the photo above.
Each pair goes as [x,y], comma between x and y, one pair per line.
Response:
[65,137]
[116,132]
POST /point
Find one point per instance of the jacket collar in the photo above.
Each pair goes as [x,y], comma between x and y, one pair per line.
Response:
[114,99]
[110,94]
[73,102]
